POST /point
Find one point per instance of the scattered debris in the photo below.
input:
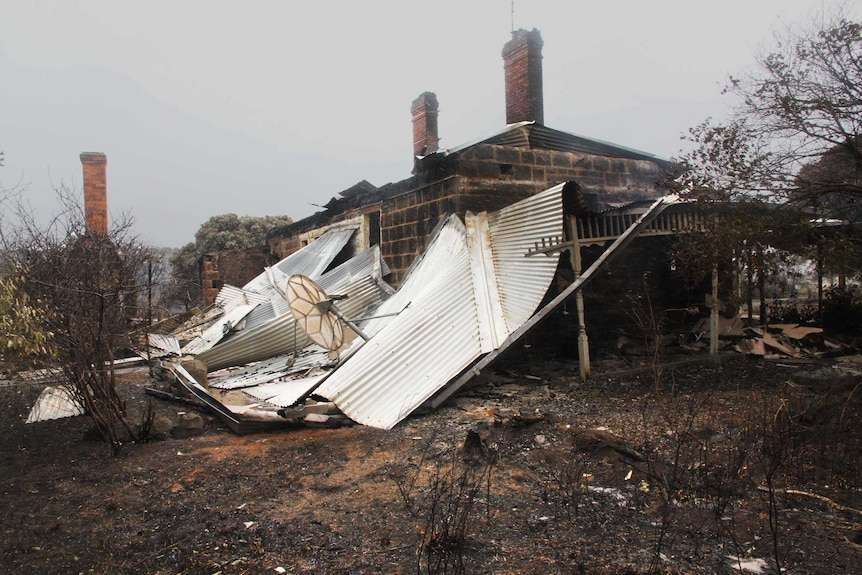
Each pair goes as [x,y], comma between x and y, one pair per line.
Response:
[748,565]
[54,403]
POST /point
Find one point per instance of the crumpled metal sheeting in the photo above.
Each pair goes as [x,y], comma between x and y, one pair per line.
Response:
[492,324]
[419,275]
[420,349]
[368,262]
[523,281]
[230,296]
[312,261]
[284,393]
[453,292]
[218,330]
[162,345]
[54,403]
[197,324]
[262,314]
[280,335]
[268,370]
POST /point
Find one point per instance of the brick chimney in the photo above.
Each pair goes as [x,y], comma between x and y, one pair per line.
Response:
[95,192]
[424,111]
[522,60]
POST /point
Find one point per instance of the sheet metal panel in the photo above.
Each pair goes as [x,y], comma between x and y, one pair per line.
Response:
[420,349]
[417,276]
[281,335]
[197,324]
[269,370]
[54,403]
[312,260]
[454,293]
[523,281]
[230,296]
[260,315]
[283,393]
[492,321]
[621,242]
[368,262]
[218,330]
[162,345]
[206,333]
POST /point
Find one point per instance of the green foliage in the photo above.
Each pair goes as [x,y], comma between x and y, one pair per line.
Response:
[219,233]
[184,282]
[232,232]
[24,337]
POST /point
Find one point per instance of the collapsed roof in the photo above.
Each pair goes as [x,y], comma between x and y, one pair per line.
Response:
[477,286]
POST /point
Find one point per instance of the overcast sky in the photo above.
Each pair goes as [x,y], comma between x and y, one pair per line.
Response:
[268,107]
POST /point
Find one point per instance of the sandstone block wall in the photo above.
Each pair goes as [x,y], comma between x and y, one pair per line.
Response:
[406,221]
[234,267]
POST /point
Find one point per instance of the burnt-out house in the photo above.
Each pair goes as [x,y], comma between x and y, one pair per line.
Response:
[520,160]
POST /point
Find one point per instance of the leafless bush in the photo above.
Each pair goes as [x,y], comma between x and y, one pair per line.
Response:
[455,487]
[649,322]
[562,472]
[89,284]
[672,453]
[406,469]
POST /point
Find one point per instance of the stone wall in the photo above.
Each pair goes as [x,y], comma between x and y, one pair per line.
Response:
[407,219]
[519,172]
[233,267]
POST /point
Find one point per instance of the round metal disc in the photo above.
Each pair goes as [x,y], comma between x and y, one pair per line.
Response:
[303,297]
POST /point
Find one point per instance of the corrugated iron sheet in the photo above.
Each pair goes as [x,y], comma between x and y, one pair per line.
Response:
[420,349]
[492,323]
[273,369]
[440,330]
[623,240]
[523,281]
[230,296]
[312,261]
[218,330]
[262,338]
[284,393]
[162,345]
[54,403]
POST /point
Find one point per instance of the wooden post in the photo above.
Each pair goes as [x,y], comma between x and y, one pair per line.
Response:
[713,314]
[583,340]
[820,284]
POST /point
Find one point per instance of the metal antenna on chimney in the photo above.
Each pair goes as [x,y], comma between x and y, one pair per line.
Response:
[513,17]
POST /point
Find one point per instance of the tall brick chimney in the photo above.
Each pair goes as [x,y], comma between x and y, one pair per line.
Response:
[522,60]
[424,111]
[95,192]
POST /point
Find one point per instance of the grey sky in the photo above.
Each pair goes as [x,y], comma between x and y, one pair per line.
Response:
[265,108]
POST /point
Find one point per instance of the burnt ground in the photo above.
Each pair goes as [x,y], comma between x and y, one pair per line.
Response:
[559,477]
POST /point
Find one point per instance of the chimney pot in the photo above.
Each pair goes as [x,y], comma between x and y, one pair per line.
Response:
[95,192]
[522,61]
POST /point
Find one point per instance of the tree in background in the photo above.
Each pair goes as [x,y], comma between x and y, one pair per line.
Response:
[219,233]
[788,157]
